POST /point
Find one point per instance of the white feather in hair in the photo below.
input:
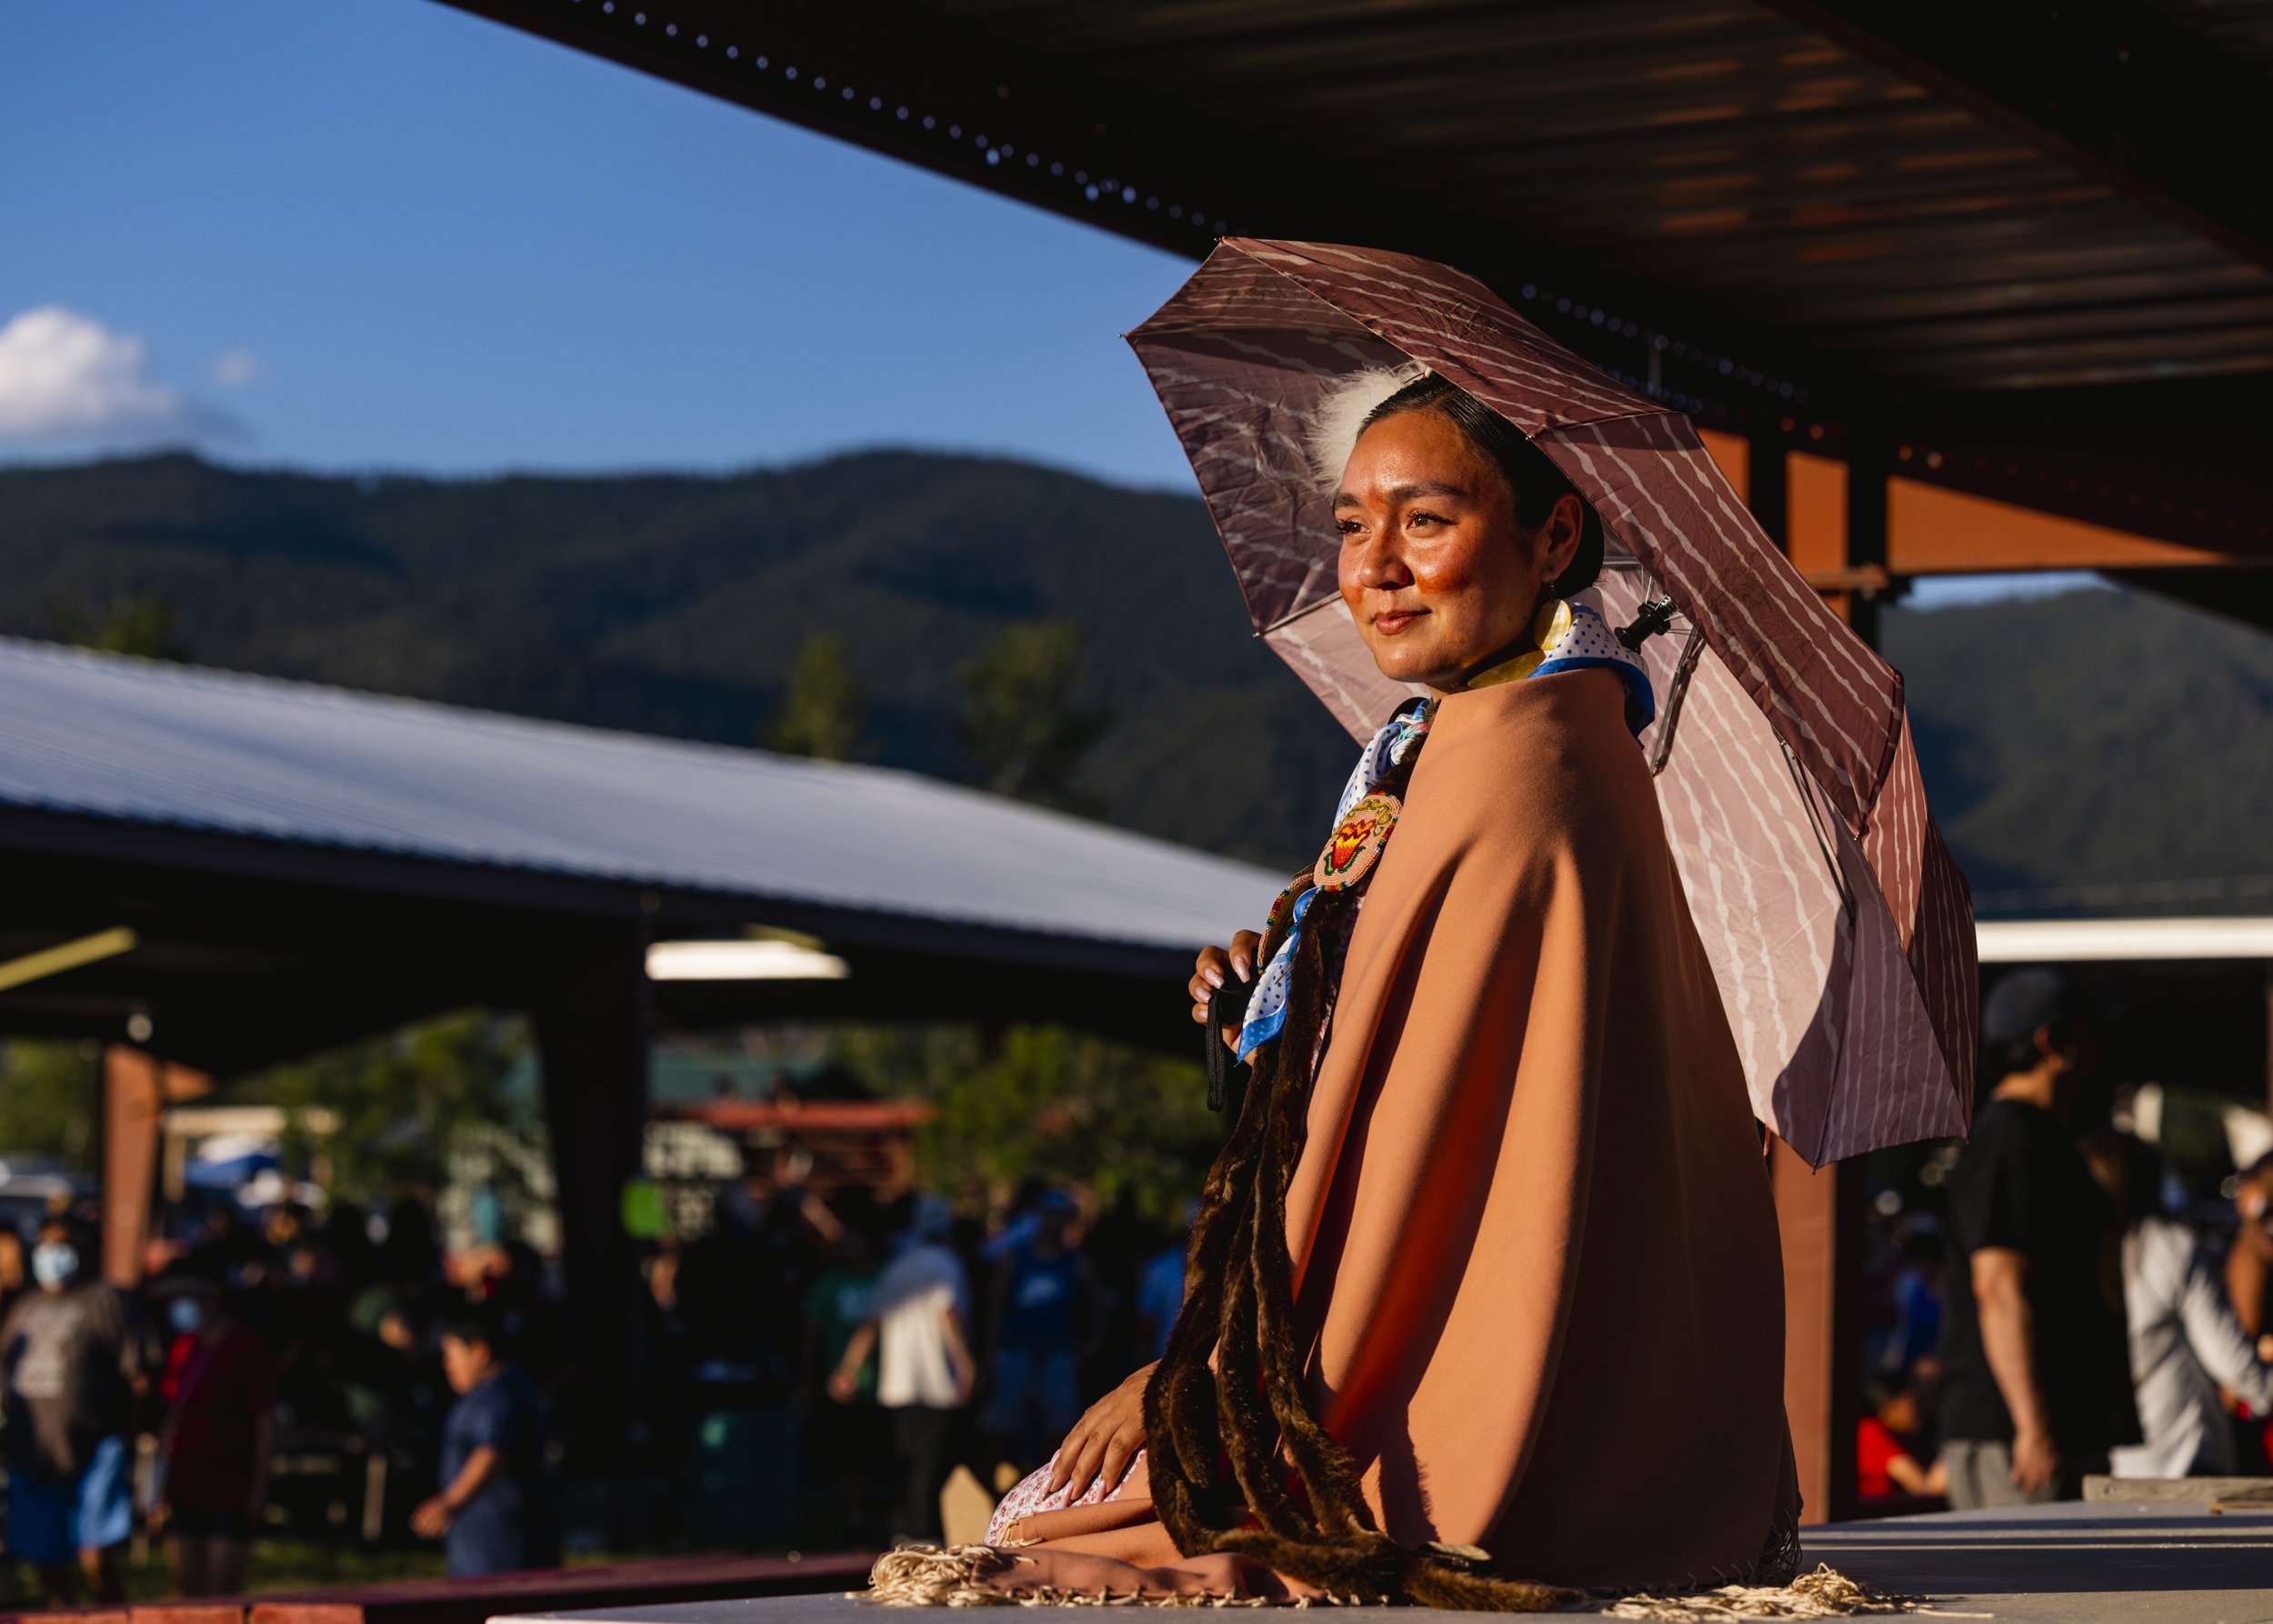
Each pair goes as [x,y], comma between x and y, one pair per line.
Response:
[1334,425]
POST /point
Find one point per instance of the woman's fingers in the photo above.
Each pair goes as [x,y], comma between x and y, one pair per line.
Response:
[1207,977]
[1213,964]
[1120,1451]
[1062,1468]
[1084,1469]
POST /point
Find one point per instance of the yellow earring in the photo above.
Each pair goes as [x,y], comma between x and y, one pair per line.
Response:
[1551,624]
[1549,627]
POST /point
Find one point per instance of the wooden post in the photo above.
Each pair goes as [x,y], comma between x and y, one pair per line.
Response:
[1867,471]
[591,1021]
[137,1087]
[1819,1216]
[1768,486]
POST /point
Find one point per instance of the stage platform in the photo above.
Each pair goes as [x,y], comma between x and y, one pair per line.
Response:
[2090,1562]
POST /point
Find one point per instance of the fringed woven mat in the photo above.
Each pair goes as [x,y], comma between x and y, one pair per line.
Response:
[1826,1593]
[927,1575]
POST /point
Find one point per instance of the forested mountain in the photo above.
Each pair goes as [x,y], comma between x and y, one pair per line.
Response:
[677,605]
[2096,739]
[2098,751]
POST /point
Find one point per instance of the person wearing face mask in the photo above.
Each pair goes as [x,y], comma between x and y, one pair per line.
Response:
[75,1362]
[219,1430]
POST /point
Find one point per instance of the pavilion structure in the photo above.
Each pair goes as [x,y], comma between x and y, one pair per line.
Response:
[208,872]
[1950,292]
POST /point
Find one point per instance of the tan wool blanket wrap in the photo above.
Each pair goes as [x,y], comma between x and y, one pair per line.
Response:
[1537,1258]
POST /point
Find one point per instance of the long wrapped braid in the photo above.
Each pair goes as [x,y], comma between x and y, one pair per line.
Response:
[1230,1385]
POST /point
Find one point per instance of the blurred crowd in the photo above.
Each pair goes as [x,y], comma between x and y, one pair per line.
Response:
[332,1344]
[2056,1303]
[913,1340]
[819,1365]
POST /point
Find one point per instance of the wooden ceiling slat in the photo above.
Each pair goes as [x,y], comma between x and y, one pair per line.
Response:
[2160,323]
[1452,60]
[1878,306]
[1652,205]
[2056,371]
[1103,29]
[2070,362]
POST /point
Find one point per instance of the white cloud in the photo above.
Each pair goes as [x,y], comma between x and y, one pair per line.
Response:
[235,368]
[67,379]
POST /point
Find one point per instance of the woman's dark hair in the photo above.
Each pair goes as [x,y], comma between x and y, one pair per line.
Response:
[1538,482]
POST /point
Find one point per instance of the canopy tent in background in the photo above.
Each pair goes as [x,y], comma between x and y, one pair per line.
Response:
[1839,930]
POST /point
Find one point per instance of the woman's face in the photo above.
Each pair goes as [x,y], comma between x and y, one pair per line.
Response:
[1436,570]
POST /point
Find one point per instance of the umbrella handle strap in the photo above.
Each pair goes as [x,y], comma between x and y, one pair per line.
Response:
[1227,1006]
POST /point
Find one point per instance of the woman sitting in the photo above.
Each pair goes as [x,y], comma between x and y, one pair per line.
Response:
[1484,1294]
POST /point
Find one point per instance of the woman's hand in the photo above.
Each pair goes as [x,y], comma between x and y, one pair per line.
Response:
[1106,1440]
[1210,968]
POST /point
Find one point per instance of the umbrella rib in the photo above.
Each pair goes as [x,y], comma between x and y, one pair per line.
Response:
[1815,822]
[1676,690]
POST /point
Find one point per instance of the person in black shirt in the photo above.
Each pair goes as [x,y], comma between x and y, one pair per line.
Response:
[2035,1385]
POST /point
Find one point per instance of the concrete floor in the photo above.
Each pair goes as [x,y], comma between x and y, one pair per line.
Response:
[2103,1562]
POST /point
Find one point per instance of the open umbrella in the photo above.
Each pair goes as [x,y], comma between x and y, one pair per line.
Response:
[1841,932]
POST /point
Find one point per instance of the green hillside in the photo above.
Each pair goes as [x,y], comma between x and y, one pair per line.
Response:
[2097,740]
[2097,751]
[674,604]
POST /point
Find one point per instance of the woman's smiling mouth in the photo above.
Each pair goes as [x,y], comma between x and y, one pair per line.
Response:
[1390,622]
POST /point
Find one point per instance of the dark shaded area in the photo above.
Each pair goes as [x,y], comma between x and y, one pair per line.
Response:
[254,951]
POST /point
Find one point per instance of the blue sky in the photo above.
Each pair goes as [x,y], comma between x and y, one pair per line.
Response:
[388,233]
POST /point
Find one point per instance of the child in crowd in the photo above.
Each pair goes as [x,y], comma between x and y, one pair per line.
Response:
[1884,1465]
[494,1512]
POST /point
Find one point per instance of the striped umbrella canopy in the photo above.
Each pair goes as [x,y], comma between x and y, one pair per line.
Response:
[1839,930]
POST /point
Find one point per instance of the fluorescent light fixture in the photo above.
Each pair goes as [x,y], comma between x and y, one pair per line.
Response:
[2074,941]
[67,956]
[763,960]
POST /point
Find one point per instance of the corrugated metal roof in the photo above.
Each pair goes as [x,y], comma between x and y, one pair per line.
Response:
[101,735]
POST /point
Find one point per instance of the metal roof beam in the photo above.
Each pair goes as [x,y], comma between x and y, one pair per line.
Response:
[2112,88]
